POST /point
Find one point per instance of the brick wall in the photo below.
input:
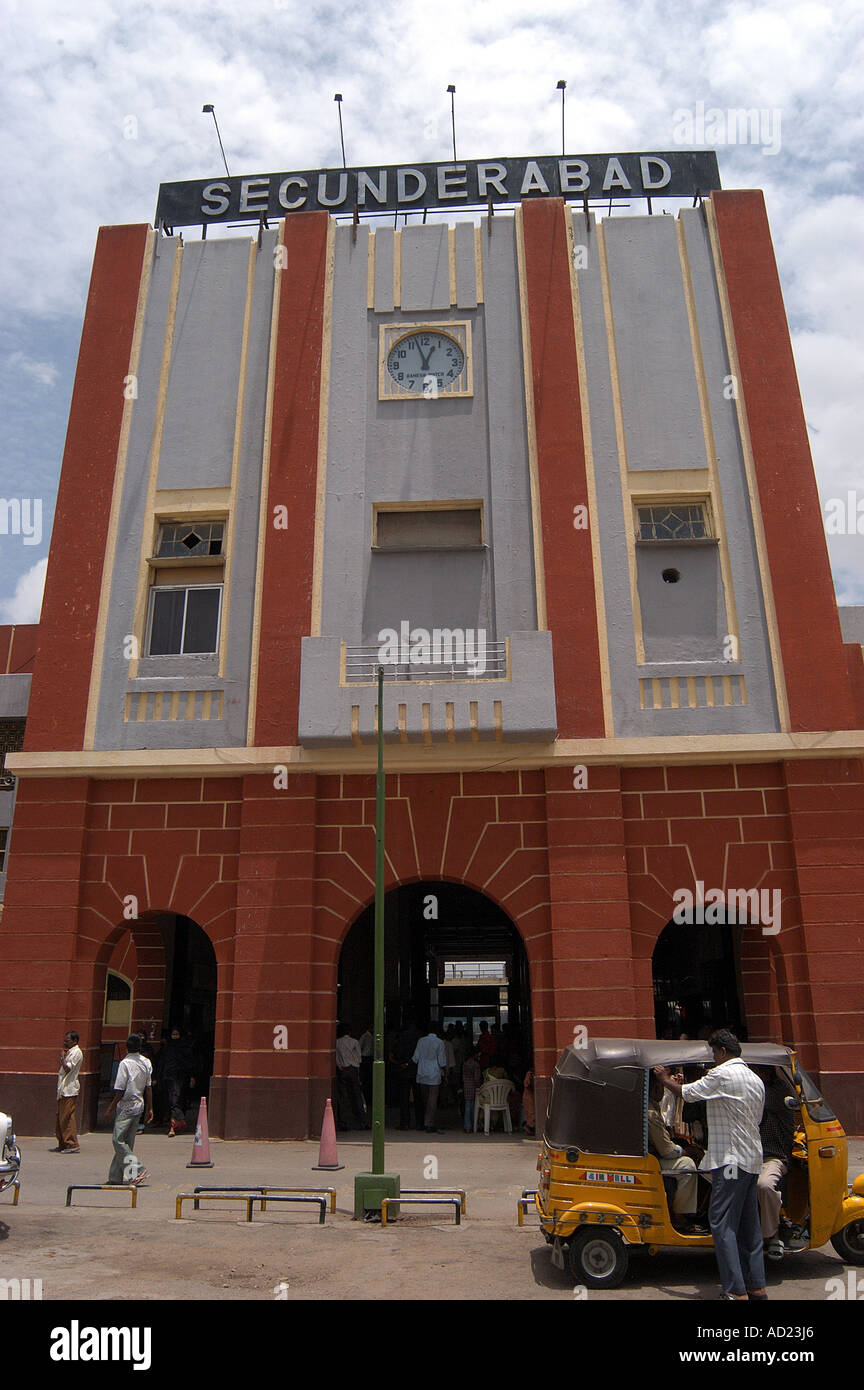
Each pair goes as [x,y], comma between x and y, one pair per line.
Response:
[277,875]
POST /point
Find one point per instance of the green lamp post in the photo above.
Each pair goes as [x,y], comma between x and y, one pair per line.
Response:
[370,1189]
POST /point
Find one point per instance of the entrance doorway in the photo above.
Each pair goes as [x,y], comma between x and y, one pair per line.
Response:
[161,976]
[453,958]
[697,980]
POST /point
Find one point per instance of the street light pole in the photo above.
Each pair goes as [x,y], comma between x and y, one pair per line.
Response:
[371,1188]
[378,1064]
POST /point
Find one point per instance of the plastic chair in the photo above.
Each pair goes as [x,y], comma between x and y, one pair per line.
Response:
[495,1098]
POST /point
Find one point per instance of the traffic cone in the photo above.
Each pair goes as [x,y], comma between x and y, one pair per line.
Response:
[201,1147]
[328,1158]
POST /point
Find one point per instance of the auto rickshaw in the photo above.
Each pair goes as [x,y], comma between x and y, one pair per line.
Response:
[601,1192]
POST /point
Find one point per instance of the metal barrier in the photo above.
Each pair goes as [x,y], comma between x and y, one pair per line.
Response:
[249,1197]
[102,1187]
[265,1188]
[438,1192]
[525,1201]
[405,1200]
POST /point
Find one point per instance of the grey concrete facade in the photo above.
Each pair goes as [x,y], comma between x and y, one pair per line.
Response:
[416,451]
[196,452]
[663,430]
[636,338]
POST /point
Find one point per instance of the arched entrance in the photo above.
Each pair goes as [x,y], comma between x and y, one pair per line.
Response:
[160,974]
[697,978]
[452,957]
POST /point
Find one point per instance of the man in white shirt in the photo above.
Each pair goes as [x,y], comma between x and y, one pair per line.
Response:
[133,1094]
[734,1096]
[351,1106]
[68,1087]
[431,1059]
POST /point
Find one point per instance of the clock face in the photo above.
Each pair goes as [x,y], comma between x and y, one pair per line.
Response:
[425,363]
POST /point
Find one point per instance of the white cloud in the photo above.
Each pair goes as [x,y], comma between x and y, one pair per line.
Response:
[43,372]
[26,603]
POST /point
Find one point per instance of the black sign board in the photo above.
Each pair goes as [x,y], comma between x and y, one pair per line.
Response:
[412,187]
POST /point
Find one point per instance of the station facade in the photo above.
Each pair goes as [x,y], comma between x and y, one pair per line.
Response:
[553,472]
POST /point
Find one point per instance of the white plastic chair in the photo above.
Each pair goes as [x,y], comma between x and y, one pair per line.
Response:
[491,1097]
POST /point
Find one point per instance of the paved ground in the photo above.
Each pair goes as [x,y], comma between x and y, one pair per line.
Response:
[89,1250]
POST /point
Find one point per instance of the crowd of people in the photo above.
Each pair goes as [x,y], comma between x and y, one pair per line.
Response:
[435,1070]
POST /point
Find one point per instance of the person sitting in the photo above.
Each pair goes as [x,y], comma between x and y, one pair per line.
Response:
[674,1161]
[493,1076]
[777,1132]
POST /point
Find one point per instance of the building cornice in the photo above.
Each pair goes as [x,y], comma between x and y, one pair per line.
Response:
[621,752]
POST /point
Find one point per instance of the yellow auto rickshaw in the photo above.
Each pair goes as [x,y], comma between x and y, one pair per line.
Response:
[601,1193]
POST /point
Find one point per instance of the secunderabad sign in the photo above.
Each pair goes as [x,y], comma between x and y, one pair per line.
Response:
[412,187]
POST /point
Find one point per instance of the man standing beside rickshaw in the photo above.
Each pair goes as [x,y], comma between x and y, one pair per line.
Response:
[735,1098]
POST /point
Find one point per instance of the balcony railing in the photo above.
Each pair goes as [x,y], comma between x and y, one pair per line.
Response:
[361,665]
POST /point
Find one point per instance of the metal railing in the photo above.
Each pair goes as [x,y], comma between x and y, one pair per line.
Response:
[361,664]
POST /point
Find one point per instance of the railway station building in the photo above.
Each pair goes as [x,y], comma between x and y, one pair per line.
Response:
[551,470]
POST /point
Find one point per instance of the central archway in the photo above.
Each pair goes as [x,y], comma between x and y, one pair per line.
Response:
[452,956]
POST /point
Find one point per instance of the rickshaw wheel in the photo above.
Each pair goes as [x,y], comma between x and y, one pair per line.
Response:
[598,1258]
[849,1243]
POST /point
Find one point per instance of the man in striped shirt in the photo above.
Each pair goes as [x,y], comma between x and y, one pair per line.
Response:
[735,1097]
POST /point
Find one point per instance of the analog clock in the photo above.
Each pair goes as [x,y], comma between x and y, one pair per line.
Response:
[425,363]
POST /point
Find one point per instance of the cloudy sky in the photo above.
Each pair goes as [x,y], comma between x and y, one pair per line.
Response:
[101,101]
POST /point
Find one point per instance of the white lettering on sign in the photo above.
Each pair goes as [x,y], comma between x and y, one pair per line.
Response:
[215,195]
[254,194]
[283,189]
[663,174]
[489,175]
[451,181]
[573,174]
[402,175]
[366,184]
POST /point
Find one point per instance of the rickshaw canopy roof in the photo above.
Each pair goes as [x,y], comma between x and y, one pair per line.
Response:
[600,1054]
[597,1103]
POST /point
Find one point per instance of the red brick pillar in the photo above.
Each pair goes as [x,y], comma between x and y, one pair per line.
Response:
[826,810]
[38,934]
[267,1090]
[592,966]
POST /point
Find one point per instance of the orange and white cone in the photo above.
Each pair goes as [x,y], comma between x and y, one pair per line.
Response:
[328,1157]
[201,1147]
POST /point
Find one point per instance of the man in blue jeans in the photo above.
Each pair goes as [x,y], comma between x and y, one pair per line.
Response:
[133,1096]
[735,1097]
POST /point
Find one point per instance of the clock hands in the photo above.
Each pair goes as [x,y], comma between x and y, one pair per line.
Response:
[424,361]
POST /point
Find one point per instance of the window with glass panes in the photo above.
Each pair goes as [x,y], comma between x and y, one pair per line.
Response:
[184,621]
[673,521]
[182,539]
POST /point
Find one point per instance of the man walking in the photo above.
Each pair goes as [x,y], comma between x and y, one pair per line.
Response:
[68,1087]
[734,1097]
[132,1094]
[431,1062]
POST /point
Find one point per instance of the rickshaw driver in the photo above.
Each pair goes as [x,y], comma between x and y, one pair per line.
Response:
[735,1098]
